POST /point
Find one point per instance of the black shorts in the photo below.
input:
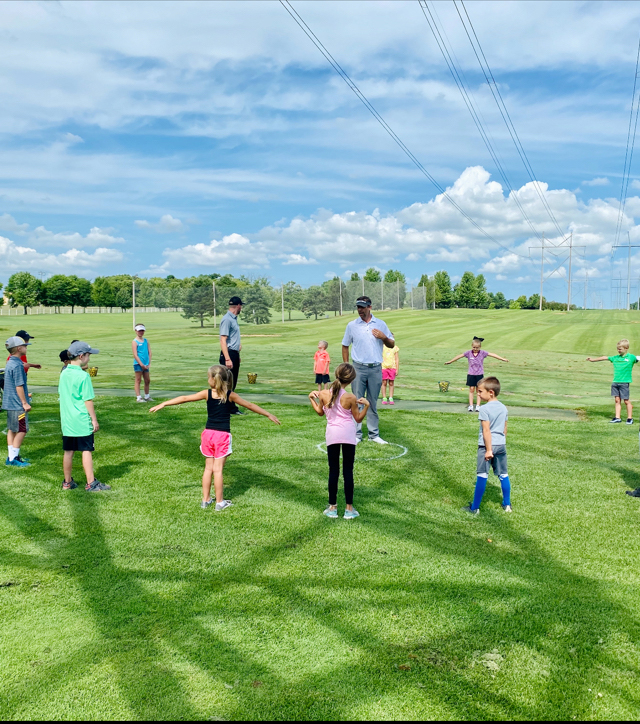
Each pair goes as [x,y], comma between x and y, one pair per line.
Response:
[472,380]
[81,444]
[322,379]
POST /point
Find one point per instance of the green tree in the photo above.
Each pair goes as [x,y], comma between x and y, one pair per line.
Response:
[293,296]
[257,302]
[124,297]
[103,293]
[1,295]
[372,275]
[465,292]
[24,290]
[198,303]
[332,293]
[355,277]
[394,276]
[79,292]
[482,297]
[314,302]
[444,295]
[498,300]
[56,291]
[514,304]
[430,293]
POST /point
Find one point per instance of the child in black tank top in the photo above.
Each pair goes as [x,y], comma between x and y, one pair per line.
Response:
[216,437]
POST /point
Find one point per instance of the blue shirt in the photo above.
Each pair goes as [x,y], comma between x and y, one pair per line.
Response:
[143,351]
[497,415]
[14,376]
[230,329]
[366,349]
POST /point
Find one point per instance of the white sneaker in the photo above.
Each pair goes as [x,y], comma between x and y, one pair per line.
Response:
[379,440]
[148,399]
[470,408]
[358,440]
[477,408]
[139,399]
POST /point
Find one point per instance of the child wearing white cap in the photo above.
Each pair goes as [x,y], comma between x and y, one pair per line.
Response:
[141,362]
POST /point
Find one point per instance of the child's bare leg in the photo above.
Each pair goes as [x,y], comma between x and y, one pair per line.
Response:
[67,465]
[15,438]
[618,407]
[477,397]
[392,385]
[384,388]
[319,387]
[145,376]
[218,465]
[629,409]
[206,479]
[137,383]
[471,391]
[87,464]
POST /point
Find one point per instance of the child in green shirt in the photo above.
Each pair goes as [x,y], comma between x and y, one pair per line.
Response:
[622,371]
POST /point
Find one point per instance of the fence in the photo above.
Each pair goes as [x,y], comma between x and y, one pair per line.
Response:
[6,311]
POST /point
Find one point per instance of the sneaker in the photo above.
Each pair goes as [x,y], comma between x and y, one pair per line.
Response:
[350,514]
[391,402]
[15,463]
[330,512]
[69,486]
[23,460]
[615,419]
[384,401]
[96,486]
[507,509]
[358,440]
[470,408]
[139,399]
[149,399]
[629,420]
[206,503]
[634,493]
[379,440]
[477,408]
[469,509]
[237,412]
[225,504]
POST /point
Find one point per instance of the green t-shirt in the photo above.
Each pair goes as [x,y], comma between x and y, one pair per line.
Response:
[623,367]
[75,388]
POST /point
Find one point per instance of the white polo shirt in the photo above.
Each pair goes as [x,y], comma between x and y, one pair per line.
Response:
[365,348]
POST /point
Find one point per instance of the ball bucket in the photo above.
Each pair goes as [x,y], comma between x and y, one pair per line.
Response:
[252,378]
[93,371]
[444,386]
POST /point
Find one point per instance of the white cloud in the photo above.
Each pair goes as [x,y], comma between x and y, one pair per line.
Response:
[298,259]
[96,237]
[10,225]
[167,225]
[72,138]
[600,181]
[233,250]
[23,258]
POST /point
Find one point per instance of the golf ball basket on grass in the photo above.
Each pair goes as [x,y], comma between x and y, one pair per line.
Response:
[93,371]
[444,386]
[252,377]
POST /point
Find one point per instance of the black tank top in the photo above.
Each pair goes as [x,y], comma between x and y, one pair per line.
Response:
[218,414]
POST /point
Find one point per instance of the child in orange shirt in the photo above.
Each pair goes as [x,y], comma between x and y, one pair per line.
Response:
[321,362]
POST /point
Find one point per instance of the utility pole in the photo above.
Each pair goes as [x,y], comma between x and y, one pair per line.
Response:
[542,248]
[282,296]
[629,274]
[586,287]
[340,283]
[382,295]
[570,260]
[214,304]
[133,282]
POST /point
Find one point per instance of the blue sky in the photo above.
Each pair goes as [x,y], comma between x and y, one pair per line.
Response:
[181,138]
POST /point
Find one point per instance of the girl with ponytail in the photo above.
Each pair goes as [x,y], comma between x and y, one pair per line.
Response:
[343,411]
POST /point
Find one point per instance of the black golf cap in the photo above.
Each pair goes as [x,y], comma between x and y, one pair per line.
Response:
[25,335]
[363,302]
[235,300]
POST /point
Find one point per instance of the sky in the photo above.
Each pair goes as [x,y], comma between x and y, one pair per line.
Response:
[185,137]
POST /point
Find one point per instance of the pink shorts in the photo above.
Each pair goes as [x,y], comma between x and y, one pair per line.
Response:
[389,374]
[215,444]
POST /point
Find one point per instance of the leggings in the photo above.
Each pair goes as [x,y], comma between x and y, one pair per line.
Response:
[348,456]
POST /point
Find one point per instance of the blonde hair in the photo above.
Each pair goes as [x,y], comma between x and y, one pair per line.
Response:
[624,343]
[323,343]
[220,380]
[345,375]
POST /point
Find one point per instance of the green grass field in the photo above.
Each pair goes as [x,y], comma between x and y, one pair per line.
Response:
[136,604]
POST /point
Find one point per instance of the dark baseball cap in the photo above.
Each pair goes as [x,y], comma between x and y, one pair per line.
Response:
[25,335]
[363,302]
[235,300]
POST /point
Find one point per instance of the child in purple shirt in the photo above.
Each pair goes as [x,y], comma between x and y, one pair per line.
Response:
[476,356]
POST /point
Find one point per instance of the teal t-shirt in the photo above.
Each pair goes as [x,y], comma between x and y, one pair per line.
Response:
[75,389]
[623,367]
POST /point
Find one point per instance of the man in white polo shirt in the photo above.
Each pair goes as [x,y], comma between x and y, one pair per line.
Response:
[368,335]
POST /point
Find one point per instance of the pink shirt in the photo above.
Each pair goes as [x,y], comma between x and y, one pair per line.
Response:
[341,425]
[476,361]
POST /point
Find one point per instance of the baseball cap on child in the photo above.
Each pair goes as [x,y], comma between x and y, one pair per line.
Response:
[25,335]
[138,327]
[78,348]
[16,342]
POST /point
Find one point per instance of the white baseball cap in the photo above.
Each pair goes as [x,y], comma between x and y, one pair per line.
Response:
[16,342]
[138,327]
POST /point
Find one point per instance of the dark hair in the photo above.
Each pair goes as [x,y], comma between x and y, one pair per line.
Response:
[478,339]
[64,355]
[345,375]
[490,383]
[74,340]
[364,298]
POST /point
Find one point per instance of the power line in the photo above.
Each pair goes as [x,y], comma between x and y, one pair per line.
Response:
[363,99]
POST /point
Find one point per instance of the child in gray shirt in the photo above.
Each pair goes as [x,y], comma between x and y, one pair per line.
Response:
[492,445]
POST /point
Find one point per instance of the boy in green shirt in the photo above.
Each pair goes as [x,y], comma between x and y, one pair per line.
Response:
[78,416]
[622,370]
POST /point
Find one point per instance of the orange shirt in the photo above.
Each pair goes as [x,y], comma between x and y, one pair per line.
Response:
[321,362]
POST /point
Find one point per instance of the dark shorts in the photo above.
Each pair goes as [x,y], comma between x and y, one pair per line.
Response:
[80,444]
[620,389]
[472,380]
[322,379]
[498,462]
[17,421]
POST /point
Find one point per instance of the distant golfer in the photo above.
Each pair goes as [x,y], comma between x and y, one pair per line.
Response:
[230,344]
[368,335]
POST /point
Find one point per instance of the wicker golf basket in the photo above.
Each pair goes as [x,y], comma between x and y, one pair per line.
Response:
[252,377]
[93,371]
[444,386]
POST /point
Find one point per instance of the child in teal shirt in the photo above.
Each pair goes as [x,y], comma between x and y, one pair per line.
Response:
[622,371]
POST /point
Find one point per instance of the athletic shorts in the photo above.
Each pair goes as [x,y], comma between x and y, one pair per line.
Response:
[472,380]
[137,368]
[215,444]
[17,421]
[498,462]
[389,374]
[78,444]
[322,379]
[620,389]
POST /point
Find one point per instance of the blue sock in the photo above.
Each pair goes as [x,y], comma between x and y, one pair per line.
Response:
[481,486]
[506,489]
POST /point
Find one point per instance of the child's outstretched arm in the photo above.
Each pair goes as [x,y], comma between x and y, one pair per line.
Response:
[253,408]
[359,414]
[497,356]
[181,400]
[597,359]
[316,402]
[455,359]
